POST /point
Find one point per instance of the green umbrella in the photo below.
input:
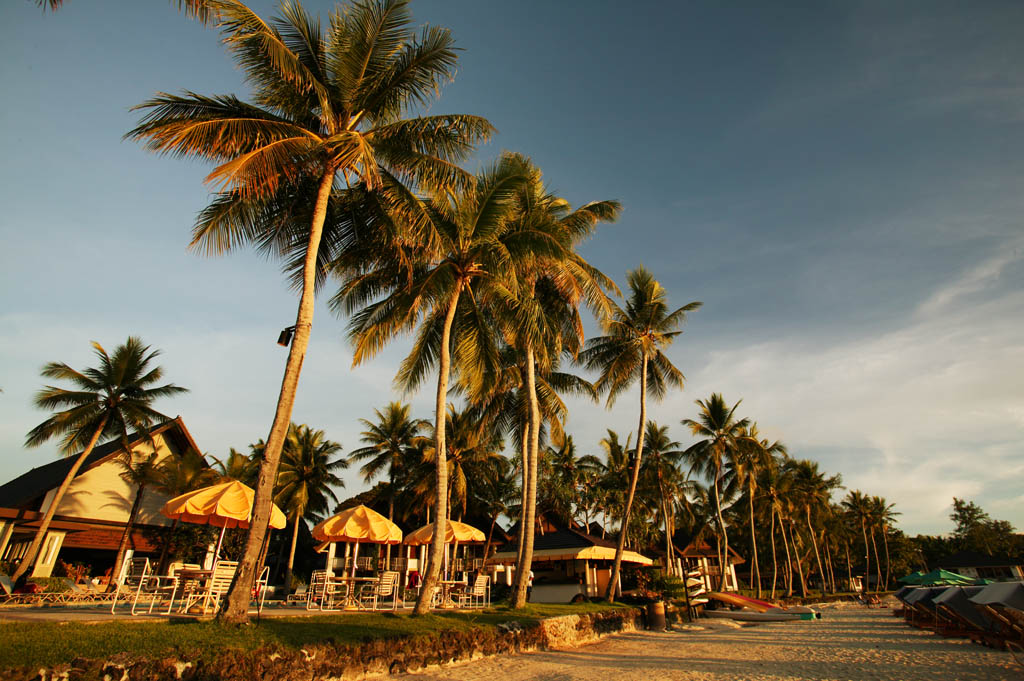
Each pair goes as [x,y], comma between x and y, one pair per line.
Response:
[912,578]
[942,577]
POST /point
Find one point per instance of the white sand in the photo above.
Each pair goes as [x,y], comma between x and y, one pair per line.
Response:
[852,643]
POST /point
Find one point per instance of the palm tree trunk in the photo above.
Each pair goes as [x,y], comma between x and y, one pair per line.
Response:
[33,550]
[161,563]
[753,543]
[878,563]
[723,564]
[523,568]
[391,511]
[524,458]
[621,544]
[440,428]
[668,532]
[291,558]
[867,553]
[122,547]
[817,554]
[849,567]
[236,605]
[799,561]
[885,541]
[490,534]
[789,558]
[775,565]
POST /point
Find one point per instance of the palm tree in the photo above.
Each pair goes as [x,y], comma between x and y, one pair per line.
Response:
[305,481]
[660,457]
[885,516]
[328,114]
[107,402]
[813,491]
[725,437]
[471,258]
[858,505]
[543,320]
[177,475]
[238,466]
[389,446]
[472,454]
[137,470]
[632,351]
[744,471]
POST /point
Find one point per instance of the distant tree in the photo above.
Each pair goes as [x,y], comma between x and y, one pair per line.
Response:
[976,531]
[238,466]
[108,401]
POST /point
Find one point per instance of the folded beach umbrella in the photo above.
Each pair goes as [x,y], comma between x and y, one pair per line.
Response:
[1004,594]
[455,533]
[358,524]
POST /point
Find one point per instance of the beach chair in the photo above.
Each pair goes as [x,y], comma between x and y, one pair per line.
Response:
[317,587]
[261,587]
[132,577]
[386,586]
[210,592]
[478,595]
[298,596]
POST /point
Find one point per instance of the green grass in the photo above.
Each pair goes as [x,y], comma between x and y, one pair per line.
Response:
[49,643]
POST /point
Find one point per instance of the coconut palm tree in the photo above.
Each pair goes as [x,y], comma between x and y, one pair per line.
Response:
[471,258]
[328,114]
[725,437]
[661,454]
[137,469]
[390,443]
[238,466]
[858,505]
[633,350]
[177,475]
[885,517]
[812,491]
[304,484]
[107,402]
[743,472]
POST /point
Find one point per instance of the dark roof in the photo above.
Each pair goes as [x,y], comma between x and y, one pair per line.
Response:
[563,537]
[966,559]
[33,485]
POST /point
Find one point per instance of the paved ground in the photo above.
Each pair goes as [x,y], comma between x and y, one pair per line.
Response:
[855,644]
[101,613]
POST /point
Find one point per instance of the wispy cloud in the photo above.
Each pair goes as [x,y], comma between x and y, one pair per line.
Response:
[974,279]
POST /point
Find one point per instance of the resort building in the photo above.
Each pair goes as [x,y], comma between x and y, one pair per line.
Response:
[91,518]
[980,566]
[697,554]
[566,562]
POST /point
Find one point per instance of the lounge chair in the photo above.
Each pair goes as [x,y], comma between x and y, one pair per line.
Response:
[386,586]
[479,595]
[212,589]
[132,578]
[299,595]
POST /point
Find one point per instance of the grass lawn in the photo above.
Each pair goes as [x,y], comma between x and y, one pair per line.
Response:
[46,643]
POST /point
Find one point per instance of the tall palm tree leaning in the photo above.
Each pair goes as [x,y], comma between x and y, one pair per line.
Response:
[633,350]
[542,321]
[323,144]
[107,402]
[725,437]
[468,256]
[304,484]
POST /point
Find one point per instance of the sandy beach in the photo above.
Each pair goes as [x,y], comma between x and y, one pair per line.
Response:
[850,643]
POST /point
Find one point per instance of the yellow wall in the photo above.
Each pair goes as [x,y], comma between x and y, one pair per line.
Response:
[99,493]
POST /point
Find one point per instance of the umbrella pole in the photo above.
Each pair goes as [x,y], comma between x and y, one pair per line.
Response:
[220,540]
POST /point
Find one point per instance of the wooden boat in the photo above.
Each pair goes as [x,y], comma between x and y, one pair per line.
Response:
[777,615]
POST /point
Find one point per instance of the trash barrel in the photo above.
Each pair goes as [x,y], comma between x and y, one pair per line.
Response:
[656,616]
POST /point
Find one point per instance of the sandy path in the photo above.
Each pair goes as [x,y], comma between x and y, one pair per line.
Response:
[850,643]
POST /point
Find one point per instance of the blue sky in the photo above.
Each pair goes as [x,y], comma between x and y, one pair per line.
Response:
[839,183]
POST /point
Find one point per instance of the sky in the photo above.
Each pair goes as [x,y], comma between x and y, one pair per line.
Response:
[838,182]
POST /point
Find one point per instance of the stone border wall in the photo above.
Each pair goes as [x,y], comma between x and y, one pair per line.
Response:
[338,662]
